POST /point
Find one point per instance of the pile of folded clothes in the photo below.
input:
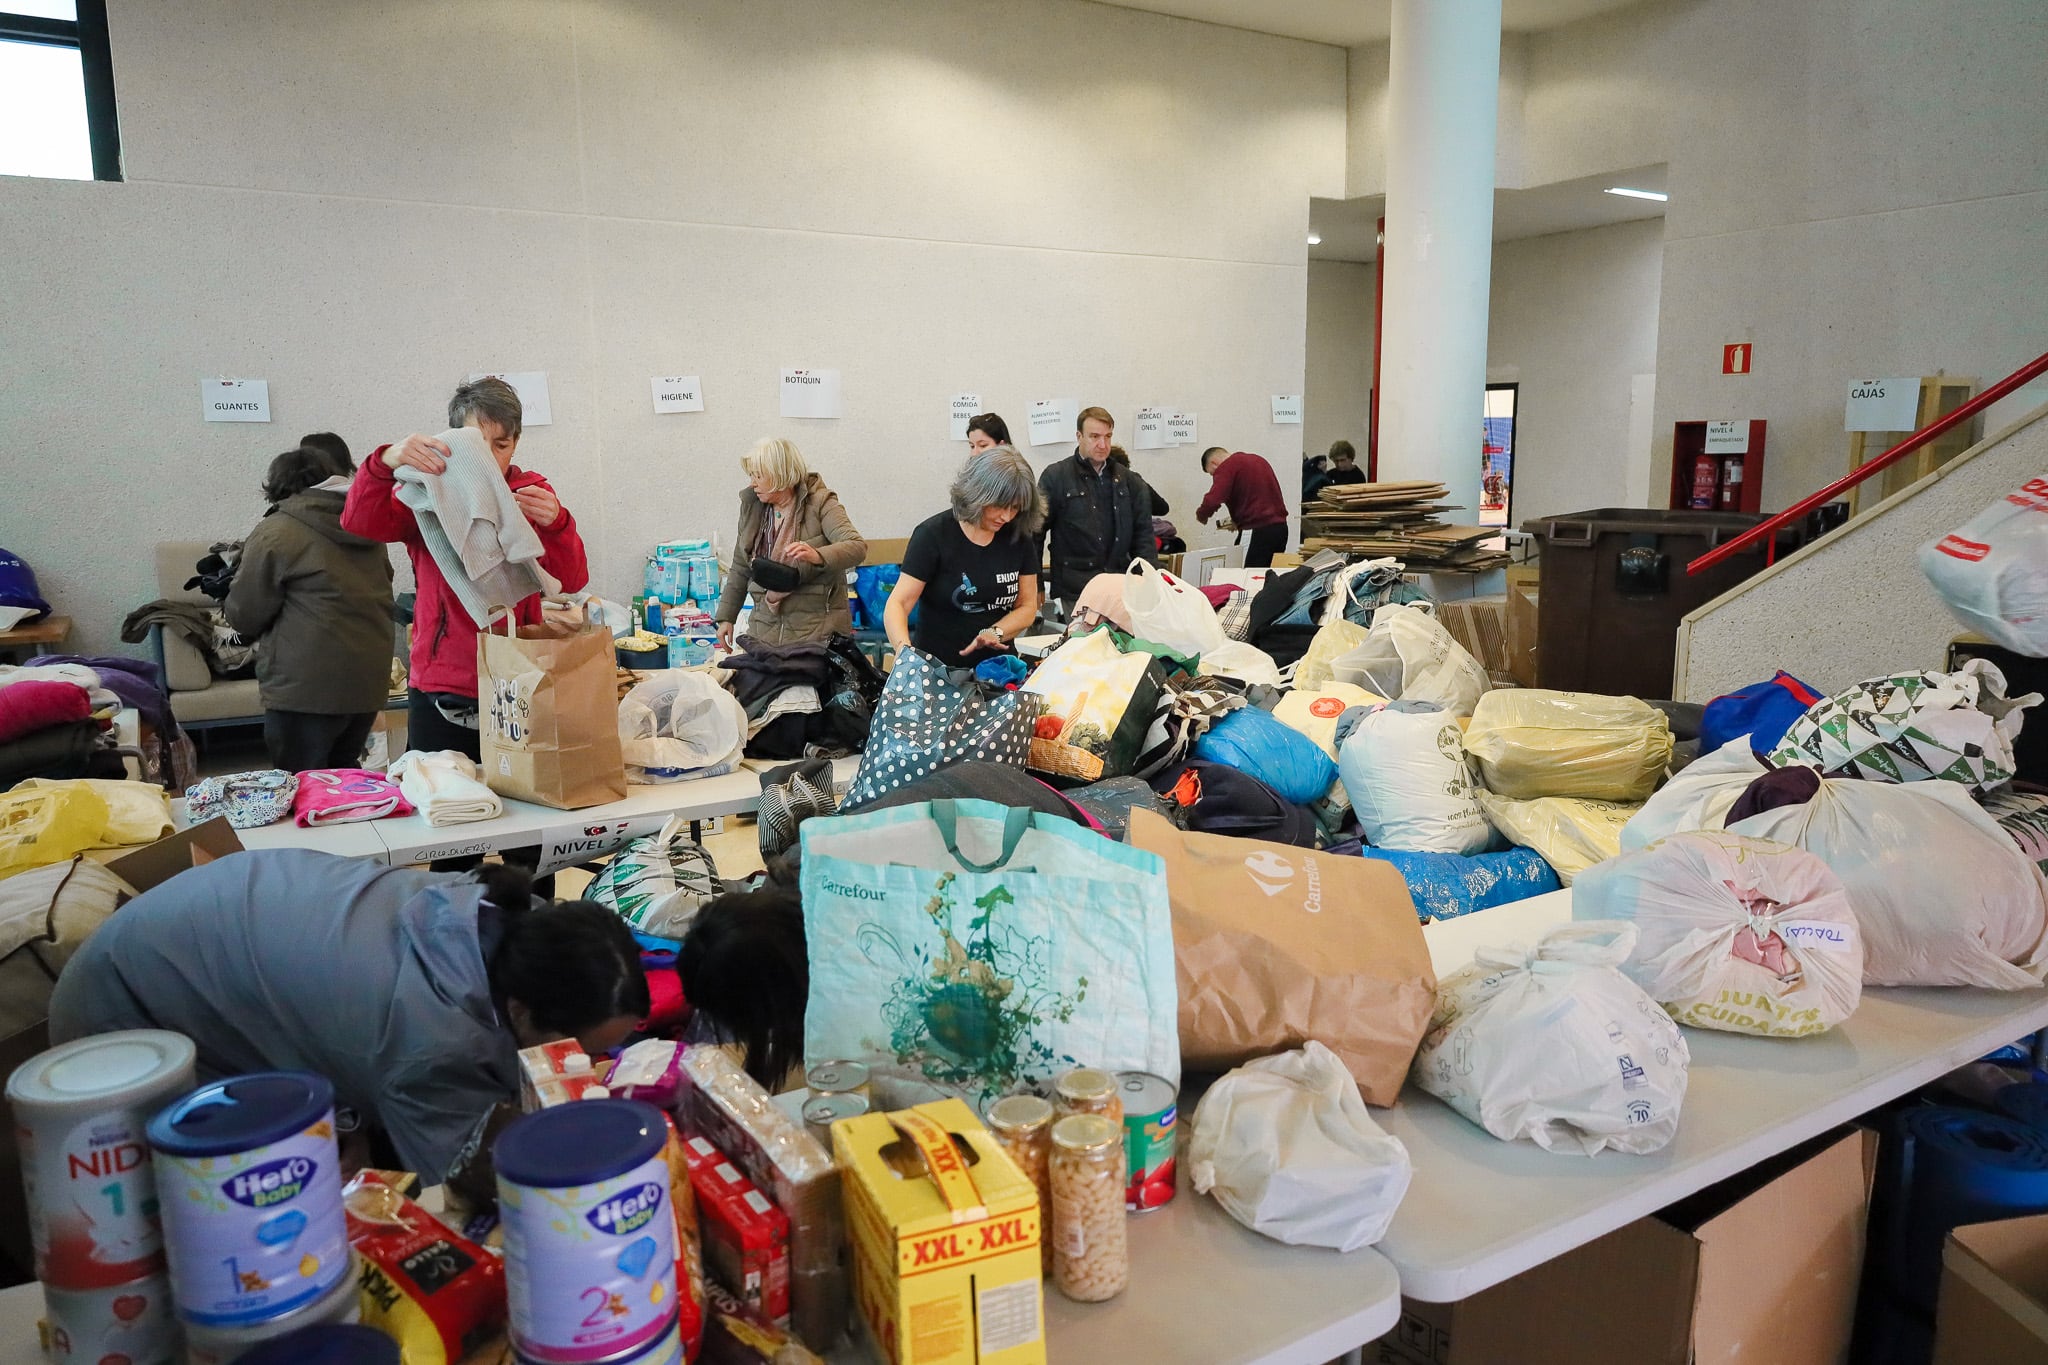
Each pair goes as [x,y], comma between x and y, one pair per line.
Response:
[54,720]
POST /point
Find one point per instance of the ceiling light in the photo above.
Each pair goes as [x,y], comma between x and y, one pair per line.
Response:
[1657,195]
[1315,239]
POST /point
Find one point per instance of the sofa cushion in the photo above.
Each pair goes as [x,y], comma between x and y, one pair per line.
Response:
[235,700]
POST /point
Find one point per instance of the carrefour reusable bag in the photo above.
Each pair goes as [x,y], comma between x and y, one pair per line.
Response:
[1993,573]
[1735,933]
[970,949]
[1096,702]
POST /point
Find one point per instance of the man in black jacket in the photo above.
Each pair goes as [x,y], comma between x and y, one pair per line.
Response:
[1097,512]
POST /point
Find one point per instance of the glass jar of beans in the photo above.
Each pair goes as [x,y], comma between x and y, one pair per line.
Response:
[1091,1260]
[1022,1125]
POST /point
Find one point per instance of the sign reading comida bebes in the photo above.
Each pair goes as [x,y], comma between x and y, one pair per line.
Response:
[1882,405]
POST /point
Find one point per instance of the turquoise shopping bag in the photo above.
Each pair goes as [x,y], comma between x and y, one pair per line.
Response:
[966,948]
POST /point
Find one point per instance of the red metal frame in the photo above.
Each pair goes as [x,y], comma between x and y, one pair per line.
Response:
[1767,530]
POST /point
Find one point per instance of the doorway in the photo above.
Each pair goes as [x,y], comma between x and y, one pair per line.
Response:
[1497,460]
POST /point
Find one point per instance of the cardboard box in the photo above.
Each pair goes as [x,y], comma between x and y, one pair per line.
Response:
[746,1238]
[1994,1295]
[1759,1270]
[1480,624]
[1523,584]
[154,864]
[945,1238]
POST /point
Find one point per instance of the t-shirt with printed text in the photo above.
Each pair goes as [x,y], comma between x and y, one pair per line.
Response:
[967,587]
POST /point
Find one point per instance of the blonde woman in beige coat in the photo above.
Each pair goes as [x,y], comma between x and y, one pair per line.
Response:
[794,548]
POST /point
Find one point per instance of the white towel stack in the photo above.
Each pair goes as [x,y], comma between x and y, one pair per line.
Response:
[446,787]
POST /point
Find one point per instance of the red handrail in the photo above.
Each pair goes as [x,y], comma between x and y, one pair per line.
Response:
[1770,527]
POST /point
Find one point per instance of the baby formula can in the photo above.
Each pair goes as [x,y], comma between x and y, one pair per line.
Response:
[250,1181]
[339,1306]
[590,1259]
[129,1322]
[338,1344]
[81,1111]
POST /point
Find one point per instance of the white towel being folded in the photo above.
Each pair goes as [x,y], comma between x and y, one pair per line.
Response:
[446,787]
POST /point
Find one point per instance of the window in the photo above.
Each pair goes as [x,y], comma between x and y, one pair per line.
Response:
[57,91]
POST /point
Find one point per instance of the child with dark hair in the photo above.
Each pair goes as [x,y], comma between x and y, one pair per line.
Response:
[745,973]
[335,450]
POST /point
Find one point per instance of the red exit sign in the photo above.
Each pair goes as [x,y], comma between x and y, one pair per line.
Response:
[1735,358]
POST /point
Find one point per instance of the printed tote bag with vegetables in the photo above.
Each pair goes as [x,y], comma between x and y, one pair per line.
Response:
[970,949]
[931,717]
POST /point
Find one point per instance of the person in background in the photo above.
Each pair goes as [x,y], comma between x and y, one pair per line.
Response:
[1097,512]
[1247,485]
[1344,464]
[1315,472]
[442,709]
[316,599]
[745,973]
[412,991]
[336,451]
[986,430]
[1160,507]
[795,544]
[974,567]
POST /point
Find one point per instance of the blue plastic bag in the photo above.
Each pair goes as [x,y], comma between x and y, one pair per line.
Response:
[1446,885]
[872,584]
[1283,758]
[1764,711]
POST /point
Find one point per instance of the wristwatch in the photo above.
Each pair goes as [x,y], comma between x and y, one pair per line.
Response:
[997,631]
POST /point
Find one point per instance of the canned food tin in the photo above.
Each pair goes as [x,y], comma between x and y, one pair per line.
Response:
[840,1078]
[250,1180]
[131,1322]
[81,1113]
[1151,1120]
[590,1239]
[822,1111]
[1084,1090]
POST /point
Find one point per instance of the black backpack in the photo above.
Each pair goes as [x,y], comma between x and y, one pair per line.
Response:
[1215,798]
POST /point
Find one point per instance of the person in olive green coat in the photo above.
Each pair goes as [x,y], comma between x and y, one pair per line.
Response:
[317,601]
[795,546]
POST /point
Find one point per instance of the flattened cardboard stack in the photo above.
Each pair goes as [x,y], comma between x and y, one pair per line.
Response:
[1401,520]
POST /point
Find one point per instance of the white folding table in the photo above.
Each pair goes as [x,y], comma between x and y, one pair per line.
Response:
[1480,1210]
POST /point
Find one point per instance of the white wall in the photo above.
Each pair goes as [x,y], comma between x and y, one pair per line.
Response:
[1337,392]
[364,202]
[1573,317]
[1855,605]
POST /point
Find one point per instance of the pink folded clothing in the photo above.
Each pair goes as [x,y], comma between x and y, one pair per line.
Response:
[336,796]
[1219,593]
[26,707]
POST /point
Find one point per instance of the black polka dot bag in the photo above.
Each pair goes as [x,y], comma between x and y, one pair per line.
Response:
[931,717]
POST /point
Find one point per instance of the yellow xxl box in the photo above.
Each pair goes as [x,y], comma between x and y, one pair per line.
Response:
[945,1238]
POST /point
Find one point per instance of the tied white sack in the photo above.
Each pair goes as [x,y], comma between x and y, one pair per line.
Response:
[676,724]
[1405,770]
[1169,612]
[1699,796]
[1943,895]
[1287,1148]
[1993,572]
[1554,1044]
[1407,656]
[1236,659]
[658,883]
[1734,933]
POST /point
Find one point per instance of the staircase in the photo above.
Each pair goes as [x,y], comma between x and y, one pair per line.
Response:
[1854,604]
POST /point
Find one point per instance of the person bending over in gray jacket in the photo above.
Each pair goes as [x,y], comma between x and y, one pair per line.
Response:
[317,601]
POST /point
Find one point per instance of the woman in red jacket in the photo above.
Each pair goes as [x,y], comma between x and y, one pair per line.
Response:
[442,713]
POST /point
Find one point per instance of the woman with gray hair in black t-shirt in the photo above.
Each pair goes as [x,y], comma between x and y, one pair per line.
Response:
[972,571]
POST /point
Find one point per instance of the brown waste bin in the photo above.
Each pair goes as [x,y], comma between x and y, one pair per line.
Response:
[1615,589]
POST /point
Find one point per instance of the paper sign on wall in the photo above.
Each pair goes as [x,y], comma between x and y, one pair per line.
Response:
[234,400]
[1052,421]
[1882,405]
[532,387]
[1727,438]
[810,393]
[677,393]
[1287,409]
[966,407]
[1151,430]
[1180,428]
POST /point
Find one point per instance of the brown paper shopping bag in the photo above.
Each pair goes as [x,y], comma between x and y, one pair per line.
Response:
[1274,946]
[549,715]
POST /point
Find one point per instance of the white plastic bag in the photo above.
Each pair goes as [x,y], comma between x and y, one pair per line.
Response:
[1236,659]
[1315,711]
[1169,612]
[1943,895]
[1570,832]
[1554,1044]
[1734,933]
[1288,1149]
[1407,656]
[659,882]
[1699,796]
[1993,573]
[1407,776]
[1529,743]
[677,723]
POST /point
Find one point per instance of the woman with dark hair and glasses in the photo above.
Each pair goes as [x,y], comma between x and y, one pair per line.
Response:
[412,991]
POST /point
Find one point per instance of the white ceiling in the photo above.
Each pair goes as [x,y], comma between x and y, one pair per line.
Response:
[1348,23]
[1348,226]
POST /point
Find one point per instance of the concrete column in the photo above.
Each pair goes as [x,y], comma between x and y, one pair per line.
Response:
[1443,90]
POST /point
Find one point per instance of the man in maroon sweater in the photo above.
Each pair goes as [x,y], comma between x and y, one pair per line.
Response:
[1247,485]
